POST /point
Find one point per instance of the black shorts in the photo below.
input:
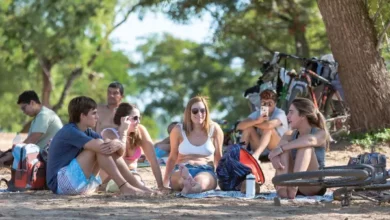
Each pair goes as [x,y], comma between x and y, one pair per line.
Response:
[320,193]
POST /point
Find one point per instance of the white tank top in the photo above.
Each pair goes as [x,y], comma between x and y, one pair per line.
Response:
[206,149]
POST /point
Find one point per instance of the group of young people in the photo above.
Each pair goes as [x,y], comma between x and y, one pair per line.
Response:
[104,142]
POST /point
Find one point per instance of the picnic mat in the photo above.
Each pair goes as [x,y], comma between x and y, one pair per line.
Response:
[162,161]
[328,197]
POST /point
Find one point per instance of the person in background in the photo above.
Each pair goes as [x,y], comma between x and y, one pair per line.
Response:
[106,112]
[163,147]
[264,130]
[44,126]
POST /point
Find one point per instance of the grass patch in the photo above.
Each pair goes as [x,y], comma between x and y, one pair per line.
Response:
[372,138]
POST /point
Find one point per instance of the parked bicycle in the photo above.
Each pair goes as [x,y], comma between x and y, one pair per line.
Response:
[364,177]
[317,80]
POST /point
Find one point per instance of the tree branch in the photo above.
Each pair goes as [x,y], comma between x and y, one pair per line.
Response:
[382,35]
[75,73]
[377,13]
[79,70]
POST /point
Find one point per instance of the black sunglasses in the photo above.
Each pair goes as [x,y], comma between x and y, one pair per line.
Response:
[196,110]
[136,118]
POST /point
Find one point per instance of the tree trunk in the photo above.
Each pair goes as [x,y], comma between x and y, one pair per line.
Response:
[362,71]
[47,81]
[301,44]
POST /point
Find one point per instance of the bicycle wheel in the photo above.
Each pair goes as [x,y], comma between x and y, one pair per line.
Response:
[325,178]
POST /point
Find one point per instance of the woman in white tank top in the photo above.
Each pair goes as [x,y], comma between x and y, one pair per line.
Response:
[196,148]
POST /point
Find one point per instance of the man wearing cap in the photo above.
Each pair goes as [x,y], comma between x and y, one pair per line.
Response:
[264,128]
[107,111]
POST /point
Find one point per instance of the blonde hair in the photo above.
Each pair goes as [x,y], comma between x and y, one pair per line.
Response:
[187,122]
[315,118]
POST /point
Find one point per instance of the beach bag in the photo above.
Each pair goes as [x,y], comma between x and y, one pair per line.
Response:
[28,172]
[234,166]
[377,160]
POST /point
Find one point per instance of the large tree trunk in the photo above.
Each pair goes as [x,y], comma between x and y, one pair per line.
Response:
[362,71]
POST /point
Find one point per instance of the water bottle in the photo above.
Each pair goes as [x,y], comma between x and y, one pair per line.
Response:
[17,140]
[250,186]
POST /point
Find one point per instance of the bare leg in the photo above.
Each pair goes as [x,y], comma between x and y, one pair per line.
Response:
[177,182]
[269,138]
[206,181]
[189,184]
[287,161]
[250,136]
[88,159]
[306,160]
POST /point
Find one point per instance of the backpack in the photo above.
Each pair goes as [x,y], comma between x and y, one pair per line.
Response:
[234,166]
[28,172]
[377,160]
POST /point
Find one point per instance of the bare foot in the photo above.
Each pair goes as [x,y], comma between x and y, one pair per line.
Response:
[191,186]
[129,190]
[184,173]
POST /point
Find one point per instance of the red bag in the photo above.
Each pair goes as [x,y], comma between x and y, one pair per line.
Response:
[28,171]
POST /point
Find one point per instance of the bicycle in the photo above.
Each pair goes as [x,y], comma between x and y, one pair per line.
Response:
[353,179]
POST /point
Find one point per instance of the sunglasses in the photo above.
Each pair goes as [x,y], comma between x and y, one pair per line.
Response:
[196,110]
[136,118]
[269,104]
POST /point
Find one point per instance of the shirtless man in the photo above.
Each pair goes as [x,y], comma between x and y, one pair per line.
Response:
[106,112]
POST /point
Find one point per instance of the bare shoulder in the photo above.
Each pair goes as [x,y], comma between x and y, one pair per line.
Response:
[217,128]
[176,131]
[142,129]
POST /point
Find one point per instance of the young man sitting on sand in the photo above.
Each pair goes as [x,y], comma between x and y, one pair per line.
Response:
[77,154]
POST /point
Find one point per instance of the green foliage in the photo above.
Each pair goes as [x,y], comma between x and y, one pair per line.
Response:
[379,11]
[173,70]
[369,139]
[61,36]
[151,126]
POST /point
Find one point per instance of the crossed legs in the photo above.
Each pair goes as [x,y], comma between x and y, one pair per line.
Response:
[182,180]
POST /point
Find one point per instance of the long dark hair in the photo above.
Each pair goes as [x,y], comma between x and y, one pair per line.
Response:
[125,109]
[315,118]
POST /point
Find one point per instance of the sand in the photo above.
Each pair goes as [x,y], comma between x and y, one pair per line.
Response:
[45,205]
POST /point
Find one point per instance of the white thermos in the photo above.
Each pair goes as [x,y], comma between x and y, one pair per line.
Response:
[250,186]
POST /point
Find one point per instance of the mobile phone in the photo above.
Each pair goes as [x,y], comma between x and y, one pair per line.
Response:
[264,110]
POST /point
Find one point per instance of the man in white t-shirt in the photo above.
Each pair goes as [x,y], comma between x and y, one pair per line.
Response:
[261,130]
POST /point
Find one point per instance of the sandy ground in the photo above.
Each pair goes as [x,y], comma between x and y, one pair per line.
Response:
[45,205]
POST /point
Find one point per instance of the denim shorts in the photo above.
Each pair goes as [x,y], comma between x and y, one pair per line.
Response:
[72,181]
[196,169]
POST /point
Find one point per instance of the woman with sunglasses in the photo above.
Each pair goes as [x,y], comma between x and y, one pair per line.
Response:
[196,148]
[138,139]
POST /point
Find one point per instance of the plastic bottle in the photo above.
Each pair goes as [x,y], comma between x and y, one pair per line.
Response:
[17,140]
[250,186]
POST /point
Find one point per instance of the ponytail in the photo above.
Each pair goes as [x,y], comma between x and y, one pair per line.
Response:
[321,123]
